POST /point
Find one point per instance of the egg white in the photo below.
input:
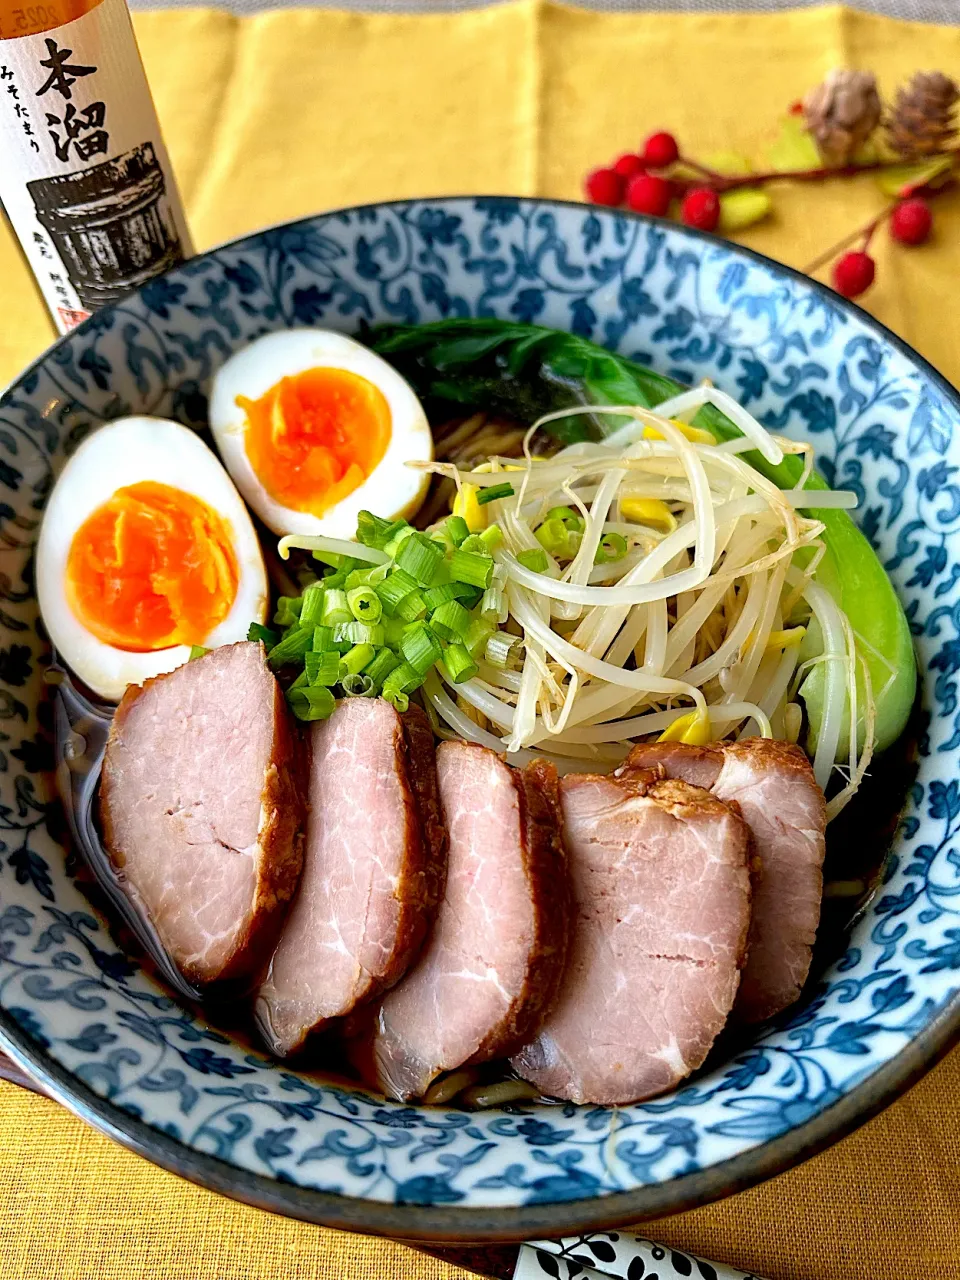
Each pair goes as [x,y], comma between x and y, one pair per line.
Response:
[392,490]
[126,452]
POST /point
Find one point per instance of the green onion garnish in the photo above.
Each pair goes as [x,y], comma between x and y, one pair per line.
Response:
[378,670]
[373,531]
[420,556]
[468,596]
[312,606]
[312,703]
[534,559]
[365,604]
[397,698]
[394,629]
[411,607]
[360,655]
[478,633]
[322,639]
[450,620]
[613,546]
[358,686]
[491,538]
[467,566]
[503,650]
[322,668]
[300,681]
[567,516]
[288,611]
[475,544]
[459,664]
[493,493]
[335,608]
[393,589]
[359,633]
[197,651]
[267,636]
[456,529]
[556,539]
[292,647]
[399,684]
[421,648]
[398,539]
[493,606]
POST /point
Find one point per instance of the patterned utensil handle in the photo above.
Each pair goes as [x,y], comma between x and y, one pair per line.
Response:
[614,1255]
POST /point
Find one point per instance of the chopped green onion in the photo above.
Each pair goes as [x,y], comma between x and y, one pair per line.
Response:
[394,629]
[322,639]
[397,698]
[365,604]
[315,702]
[459,664]
[567,516]
[534,559]
[322,668]
[288,611]
[556,539]
[421,648]
[491,538]
[359,633]
[503,650]
[393,589]
[476,544]
[468,596]
[197,651]
[450,620]
[373,531]
[335,608]
[312,606]
[301,679]
[360,656]
[292,647]
[358,686]
[398,539]
[478,633]
[378,670]
[456,529]
[267,636]
[411,607]
[613,546]
[493,492]
[420,556]
[399,684]
[467,566]
[493,606]
[366,577]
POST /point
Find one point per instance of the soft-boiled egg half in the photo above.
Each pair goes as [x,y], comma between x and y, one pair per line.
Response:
[314,427]
[145,550]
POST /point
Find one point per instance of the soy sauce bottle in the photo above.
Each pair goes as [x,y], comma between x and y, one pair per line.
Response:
[85,179]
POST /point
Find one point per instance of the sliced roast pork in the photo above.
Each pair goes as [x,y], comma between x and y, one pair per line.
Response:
[662,893]
[774,786]
[493,964]
[202,812]
[373,870]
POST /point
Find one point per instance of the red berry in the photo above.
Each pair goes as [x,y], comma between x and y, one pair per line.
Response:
[604,186]
[628,166]
[648,194]
[911,221]
[660,150]
[701,209]
[853,274]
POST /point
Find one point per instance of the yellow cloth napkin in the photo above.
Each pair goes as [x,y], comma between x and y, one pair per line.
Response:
[291,112]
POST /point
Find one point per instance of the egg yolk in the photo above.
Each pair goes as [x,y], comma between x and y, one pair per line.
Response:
[150,568]
[316,436]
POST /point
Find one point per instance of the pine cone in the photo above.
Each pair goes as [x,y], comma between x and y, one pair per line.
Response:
[842,113]
[922,120]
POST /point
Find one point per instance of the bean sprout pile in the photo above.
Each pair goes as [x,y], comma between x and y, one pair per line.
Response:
[684,605]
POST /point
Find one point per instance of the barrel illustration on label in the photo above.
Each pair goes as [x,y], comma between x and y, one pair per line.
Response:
[111,224]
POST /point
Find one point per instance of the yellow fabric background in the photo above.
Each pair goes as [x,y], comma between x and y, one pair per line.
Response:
[284,114]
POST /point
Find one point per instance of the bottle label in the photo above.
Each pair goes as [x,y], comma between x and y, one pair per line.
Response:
[85,179]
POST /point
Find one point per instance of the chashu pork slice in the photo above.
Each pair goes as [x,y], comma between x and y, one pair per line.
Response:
[662,894]
[202,811]
[374,864]
[784,808]
[492,966]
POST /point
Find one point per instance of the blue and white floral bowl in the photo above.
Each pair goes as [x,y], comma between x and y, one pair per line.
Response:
[108,1042]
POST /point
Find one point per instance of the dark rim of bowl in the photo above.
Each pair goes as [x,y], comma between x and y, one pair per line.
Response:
[418,1222]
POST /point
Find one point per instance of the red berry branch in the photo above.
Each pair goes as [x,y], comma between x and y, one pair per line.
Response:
[840,130]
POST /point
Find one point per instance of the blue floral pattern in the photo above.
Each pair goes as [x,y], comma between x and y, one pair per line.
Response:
[807,364]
